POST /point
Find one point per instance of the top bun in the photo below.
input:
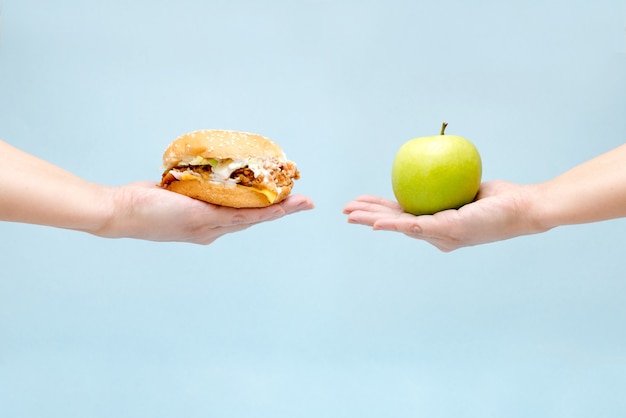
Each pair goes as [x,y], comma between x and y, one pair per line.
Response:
[220,144]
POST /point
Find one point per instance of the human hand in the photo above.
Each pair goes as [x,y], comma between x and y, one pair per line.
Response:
[145,211]
[500,211]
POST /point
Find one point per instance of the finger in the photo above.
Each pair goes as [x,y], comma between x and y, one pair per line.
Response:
[372,204]
[236,220]
[297,203]
[405,223]
[372,217]
[441,229]
[371,200]
[363,218]
[227,217]
[376,199]
[233,217]
[415,227]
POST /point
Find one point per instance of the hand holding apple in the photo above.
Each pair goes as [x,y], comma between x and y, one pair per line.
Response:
[435,173]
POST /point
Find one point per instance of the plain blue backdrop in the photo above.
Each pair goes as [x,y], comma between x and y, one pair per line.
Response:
[309,316]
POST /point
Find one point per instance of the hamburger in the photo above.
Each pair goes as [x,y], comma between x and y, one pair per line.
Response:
[228,168]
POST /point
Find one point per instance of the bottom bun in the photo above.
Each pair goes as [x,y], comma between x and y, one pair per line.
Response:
[227,195]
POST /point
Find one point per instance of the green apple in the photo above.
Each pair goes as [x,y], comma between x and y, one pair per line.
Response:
[434,173]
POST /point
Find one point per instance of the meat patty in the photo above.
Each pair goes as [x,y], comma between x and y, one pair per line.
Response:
[281,175]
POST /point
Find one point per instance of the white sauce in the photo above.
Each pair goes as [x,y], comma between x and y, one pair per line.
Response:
[222,172]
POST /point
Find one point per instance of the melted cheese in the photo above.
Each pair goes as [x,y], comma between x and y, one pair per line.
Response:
[190,175]
[270,194]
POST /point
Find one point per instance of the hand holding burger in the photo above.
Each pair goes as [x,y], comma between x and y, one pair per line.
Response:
[52,196]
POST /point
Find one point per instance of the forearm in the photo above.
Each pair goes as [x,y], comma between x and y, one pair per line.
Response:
[35,191]
[593,191]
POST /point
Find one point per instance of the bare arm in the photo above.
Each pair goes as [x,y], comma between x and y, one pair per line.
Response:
[590,192]
[35,191]
[593,191]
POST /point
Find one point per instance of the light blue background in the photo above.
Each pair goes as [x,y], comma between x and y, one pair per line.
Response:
[309,316]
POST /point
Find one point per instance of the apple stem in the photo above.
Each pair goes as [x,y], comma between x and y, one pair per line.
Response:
[443,127]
